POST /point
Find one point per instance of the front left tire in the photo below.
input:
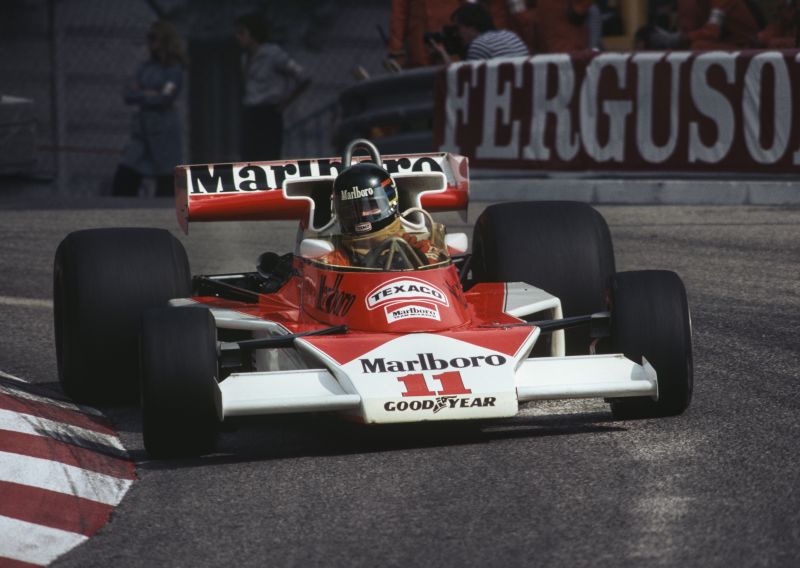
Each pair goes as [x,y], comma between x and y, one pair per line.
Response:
[103,279]
[562,247]
[179,373]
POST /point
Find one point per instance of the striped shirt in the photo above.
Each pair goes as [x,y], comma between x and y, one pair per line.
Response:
[496,43]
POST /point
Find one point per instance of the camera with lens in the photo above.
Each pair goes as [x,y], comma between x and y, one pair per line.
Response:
[448,37]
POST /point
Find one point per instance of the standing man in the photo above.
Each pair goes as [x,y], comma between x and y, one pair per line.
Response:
[481,39]
[515,15]
[272,81]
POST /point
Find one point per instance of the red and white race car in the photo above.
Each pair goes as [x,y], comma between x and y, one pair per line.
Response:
[535,312]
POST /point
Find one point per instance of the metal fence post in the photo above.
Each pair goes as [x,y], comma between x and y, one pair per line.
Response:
[57,109]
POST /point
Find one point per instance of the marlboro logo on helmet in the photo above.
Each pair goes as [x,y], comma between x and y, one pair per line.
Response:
[356,193]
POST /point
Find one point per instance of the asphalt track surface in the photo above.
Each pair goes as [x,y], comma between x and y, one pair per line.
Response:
[560,485]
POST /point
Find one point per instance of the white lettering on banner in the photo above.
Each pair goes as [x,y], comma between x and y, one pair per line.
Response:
[751,108]
[712,104]
[457,105]
[645,63]
[575,111]
[617,111]
[567,141]
[499,104]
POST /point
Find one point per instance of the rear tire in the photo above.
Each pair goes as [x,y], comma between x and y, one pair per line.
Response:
[179,371]
[102,281]
[650,318]
[562,247]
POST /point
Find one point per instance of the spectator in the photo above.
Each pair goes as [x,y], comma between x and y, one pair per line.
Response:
[782,30]
[662,13]
[154,148]
[514,15]
[594,28]
[717,24]
[479,36]
[706,24]
[561,25]
[272,81]
[411,21]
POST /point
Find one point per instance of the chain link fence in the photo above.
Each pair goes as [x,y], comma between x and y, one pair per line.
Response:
[72,59]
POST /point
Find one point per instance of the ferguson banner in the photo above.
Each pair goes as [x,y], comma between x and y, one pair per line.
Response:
[687,111]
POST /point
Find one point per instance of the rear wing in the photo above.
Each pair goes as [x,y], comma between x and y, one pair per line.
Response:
[302,189]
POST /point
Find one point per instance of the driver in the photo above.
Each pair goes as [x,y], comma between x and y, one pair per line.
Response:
[365,202]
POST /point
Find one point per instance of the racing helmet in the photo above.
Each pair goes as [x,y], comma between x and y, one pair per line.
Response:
[364,195]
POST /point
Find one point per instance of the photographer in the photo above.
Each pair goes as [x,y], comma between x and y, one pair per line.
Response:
[473,27]
[412,21]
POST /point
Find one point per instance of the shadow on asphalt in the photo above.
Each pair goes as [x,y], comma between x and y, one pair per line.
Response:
[48,390]
[264,438]
[273,438]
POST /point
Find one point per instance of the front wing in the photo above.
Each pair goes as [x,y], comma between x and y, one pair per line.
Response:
[418,377]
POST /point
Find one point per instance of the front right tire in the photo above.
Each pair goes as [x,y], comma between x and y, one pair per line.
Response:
[650,318]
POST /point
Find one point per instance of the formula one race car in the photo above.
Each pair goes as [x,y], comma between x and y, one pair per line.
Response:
[536,312]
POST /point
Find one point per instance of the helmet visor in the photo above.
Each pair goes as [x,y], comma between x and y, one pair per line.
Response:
[365,214]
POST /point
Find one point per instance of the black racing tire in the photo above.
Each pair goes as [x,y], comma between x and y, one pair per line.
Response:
[102,281]
[562,247]
[650,318]
[178,375]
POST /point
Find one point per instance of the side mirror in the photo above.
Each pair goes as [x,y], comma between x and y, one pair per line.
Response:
[457,243]
[315,248]
[267,263]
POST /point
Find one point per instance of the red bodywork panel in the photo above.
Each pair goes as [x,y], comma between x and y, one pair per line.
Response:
[377,306]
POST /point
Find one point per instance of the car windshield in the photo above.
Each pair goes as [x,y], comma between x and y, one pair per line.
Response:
[403,246]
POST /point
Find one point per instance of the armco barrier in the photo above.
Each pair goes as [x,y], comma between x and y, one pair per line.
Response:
[396,111]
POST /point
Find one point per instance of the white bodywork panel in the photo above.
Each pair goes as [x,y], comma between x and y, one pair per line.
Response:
[411,187]
[458,242]
[585,376]
[315,248]
[231,319]
[307,390]
[524,300]
[462,380]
